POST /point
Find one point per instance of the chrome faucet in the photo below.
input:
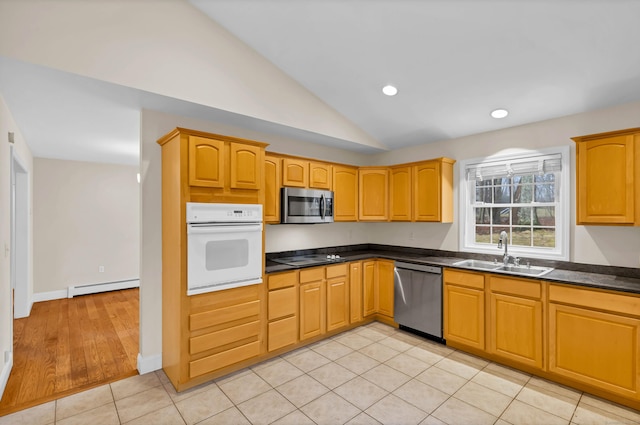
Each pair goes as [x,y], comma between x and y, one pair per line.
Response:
[504,239]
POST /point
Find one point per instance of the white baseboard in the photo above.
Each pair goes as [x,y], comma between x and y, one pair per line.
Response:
[149,363]
[102,287]
[93,288]
[19,313]
[6,370]
[51,295]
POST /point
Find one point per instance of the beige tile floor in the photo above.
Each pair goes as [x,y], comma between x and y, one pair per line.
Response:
[370,375]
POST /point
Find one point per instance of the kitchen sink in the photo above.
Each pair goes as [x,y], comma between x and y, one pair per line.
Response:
[524,270]
[534,271]
[478,264]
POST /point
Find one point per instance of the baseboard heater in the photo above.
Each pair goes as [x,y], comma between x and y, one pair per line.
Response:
[94,288]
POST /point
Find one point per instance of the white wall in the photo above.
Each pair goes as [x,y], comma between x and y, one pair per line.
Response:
[607,245]
[169,48]
[7,124]
[86,215]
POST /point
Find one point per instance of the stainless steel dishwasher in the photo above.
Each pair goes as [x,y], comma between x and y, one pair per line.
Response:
[418,298]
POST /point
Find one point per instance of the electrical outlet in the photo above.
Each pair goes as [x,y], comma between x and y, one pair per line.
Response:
[412,236]
[101,269]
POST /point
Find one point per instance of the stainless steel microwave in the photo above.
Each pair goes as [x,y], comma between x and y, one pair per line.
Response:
[306,205]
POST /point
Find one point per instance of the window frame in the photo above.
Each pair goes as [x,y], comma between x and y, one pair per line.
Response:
[466,213]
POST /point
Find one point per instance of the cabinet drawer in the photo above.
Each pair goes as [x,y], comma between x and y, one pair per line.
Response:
[618,303]
[469,279]
[338,270]
[524,288]
[311,275]
[282,303]
[282,280]
[223,315]
[282,333]
[211,340]
[223,359]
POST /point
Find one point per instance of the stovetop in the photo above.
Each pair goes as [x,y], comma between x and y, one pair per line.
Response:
[306,260]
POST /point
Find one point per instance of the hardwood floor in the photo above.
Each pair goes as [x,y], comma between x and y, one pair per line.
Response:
[69,345]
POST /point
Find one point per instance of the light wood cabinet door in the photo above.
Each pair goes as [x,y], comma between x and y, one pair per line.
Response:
[515,319]
[320,175]
[515,329]
[295,172]
[385,287]
[355,288]
[246,166]
[345,196]
[369,293]
[426,194]
[605,183]
[373,194]
[400,194]
[464,308]
[273,183]
[206,162]
[313,305]
[597,348]
[337,303]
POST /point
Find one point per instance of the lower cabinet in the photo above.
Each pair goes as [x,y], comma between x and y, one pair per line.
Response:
[313,303]
[282,329]
[463,307]
[337,297]
[355,289]
[514,320]
[594,338]
[377,287]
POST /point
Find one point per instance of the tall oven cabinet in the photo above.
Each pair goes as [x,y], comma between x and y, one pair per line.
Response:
[207,335]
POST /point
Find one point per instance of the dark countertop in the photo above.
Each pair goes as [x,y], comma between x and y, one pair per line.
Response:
[598,276]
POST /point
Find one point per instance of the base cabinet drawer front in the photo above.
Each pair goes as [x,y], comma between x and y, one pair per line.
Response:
[282,302]
[609,301]
[599,349]
[223,359]
[464,316]
[224,315]
[282,280]
[311,275]
[339,270]
[464,278]
[515,329]
[282,332]
[223,337]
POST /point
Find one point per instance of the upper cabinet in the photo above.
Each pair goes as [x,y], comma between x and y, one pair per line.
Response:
[373,194]
[400,193]
[608,178]
[272,185]
[345,196]
[320,175]
[206,162]
[433,190]
[216,168]
[295,172]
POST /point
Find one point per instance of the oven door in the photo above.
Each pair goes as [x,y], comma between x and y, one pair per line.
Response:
[223,256]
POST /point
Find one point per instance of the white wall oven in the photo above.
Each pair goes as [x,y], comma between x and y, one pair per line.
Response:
[224,246]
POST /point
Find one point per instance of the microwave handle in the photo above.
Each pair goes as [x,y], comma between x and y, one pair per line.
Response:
[323,207]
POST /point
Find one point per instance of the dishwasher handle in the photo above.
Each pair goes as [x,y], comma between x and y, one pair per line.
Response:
[418,267]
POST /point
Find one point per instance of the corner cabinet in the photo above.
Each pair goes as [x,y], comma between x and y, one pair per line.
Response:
[373,201]
[400,193]
[377,289]
[207,335]
[433,190]
[608,178]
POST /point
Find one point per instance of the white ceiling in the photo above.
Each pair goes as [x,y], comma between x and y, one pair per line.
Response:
[453,62]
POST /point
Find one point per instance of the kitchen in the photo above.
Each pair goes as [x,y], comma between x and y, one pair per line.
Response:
[598,245]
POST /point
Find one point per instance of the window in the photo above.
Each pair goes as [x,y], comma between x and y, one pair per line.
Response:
[524,195]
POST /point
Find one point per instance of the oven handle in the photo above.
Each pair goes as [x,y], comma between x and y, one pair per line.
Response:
[208,228]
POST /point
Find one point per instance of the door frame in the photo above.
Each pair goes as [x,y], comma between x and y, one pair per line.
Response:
[20,237]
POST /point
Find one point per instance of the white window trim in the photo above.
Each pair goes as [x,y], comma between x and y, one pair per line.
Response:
[563,226]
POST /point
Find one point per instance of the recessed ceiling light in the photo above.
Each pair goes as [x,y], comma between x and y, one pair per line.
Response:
[389,90]
[499,113]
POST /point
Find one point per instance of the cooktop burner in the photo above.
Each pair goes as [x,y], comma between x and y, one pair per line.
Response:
[305,260]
